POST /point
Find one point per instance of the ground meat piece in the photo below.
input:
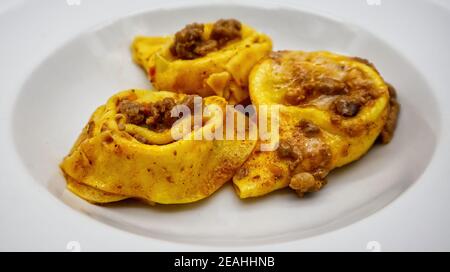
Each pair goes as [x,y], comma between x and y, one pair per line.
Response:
[160,114]
[328,86]
[394,108]
[190,44]
[132,110]
[304,183]
[316,154]
[186,41]
[286,150]
[320,174]
[206,47]
[301,91]
[309,129]
[155,116]
[347,106]
[225,30]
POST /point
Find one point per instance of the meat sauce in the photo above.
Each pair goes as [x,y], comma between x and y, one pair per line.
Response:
[308,157]
[189,43]
[154,116]
[351,90]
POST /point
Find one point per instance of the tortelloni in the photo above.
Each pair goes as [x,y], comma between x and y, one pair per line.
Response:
[332,109]
[127,150]
[204,59]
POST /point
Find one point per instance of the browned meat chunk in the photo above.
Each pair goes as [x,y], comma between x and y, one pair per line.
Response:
[155,116]
[190,44]
[305,183]
[286,150]
[391,123]
[206,47]
[132,110]
[309,129]
[302,91]
[347,106]
[225,30]
[159,116]
[315,156]
[187,40]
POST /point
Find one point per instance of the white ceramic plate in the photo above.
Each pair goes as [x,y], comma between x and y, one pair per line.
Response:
[59,94]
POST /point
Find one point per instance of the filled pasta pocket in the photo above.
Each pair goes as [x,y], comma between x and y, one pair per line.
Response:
[134,146]
[332,108]
[204,59]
